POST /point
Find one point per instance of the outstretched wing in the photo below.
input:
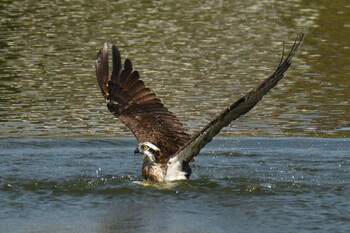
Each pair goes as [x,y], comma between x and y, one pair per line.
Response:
[237,109]
[136,106]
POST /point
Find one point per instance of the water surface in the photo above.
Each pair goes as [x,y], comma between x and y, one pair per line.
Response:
[66,165]
[238,185]
[198,56]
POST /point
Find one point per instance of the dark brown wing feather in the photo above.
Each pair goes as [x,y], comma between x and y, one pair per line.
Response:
[237,109]
[136,106]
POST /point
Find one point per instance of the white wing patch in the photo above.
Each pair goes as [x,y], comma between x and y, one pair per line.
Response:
[174,171]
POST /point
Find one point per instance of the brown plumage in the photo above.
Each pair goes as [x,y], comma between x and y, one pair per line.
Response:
[153,171]
[136,106]
[144,114]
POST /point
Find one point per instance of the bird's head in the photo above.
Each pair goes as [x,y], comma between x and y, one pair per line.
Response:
[149,151]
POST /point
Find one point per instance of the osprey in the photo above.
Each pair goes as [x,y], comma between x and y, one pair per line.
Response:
[167,149]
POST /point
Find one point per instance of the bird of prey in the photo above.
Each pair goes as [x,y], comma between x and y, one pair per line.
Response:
[166,147]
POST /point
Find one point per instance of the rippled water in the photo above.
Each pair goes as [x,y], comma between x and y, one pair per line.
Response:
[197,55]
[238,185]
[62,170]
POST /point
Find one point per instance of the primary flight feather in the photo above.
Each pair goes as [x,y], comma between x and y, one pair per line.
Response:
[166,147]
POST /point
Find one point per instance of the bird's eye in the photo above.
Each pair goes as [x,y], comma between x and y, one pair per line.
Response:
[144,147]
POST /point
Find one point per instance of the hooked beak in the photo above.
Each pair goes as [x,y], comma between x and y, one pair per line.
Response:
[136,151]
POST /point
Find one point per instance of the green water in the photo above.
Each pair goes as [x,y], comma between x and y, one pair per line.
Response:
[66,165]
[198,56]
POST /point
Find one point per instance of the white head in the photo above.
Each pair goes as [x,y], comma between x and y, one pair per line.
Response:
[149,151]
